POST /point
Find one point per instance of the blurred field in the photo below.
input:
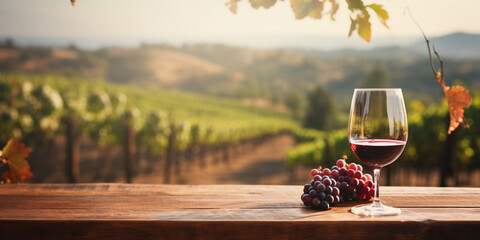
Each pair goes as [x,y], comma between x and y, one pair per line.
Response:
[262,164]
[220,100]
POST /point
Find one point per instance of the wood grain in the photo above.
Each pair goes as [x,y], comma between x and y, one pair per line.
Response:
[123,211]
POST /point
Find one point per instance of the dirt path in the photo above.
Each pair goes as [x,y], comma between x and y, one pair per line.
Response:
[265,165]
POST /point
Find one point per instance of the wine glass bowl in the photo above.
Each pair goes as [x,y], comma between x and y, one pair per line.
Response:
[378,132]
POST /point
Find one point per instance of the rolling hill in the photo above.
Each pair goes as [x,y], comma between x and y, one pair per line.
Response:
[269,74]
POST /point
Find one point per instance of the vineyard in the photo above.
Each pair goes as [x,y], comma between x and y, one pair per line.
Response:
[177,130]
[430,154]
[166,125]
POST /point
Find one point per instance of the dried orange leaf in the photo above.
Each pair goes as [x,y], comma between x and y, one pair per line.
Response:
[457,99]
[334,9]
[232,5]
[15,152]
[8,177]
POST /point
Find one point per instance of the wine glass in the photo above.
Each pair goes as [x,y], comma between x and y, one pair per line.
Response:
[377,132]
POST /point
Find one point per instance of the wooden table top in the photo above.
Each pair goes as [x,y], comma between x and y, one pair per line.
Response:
[127,211]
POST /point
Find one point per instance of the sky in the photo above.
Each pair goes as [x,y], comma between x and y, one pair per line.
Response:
[128,22]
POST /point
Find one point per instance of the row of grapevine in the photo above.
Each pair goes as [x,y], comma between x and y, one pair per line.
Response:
[429,147]
[324,148]
[38,108]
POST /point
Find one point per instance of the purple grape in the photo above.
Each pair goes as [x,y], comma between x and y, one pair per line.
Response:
[327,182]
[354,196]
[359,168]
[306,188]
[335,191]
[358,174]
[348,179]
[354,182]
[306,199]
[329,198]
[343,171]
[335,174]
[351,189]
[361,183]
[369,183]
[329,189]
[365,190]
[316,202]
[341,163]
[321,195]
[352,166]
[341,178]
[333,182]
[324,205]
[361,196]
[351,173]
[321,187]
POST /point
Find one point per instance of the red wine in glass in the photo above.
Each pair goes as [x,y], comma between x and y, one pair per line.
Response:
[377,132]
[377,153]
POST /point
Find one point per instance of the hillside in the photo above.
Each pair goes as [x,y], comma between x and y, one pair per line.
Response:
[157,67]
[267,77]
[456,45]
[211,110]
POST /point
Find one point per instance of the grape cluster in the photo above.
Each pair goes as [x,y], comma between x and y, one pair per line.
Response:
[342,183]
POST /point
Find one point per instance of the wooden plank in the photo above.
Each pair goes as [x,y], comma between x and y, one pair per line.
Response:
[86,229]
[121,211]
[105,201]
[214,196]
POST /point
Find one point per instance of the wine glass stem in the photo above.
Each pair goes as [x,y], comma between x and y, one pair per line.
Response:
[376,176]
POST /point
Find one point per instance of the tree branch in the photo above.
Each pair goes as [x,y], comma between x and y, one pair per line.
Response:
[407,9]
[442,79]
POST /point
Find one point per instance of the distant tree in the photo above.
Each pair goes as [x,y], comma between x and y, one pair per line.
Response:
[321,113]
[377,78]
[296,101]
[9,43]
[72,47]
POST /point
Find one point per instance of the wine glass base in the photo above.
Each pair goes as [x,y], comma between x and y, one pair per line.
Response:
[375,210]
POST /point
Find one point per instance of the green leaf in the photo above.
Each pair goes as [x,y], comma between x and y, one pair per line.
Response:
[355,5]
[353,26]
[381,13]
[364,26]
